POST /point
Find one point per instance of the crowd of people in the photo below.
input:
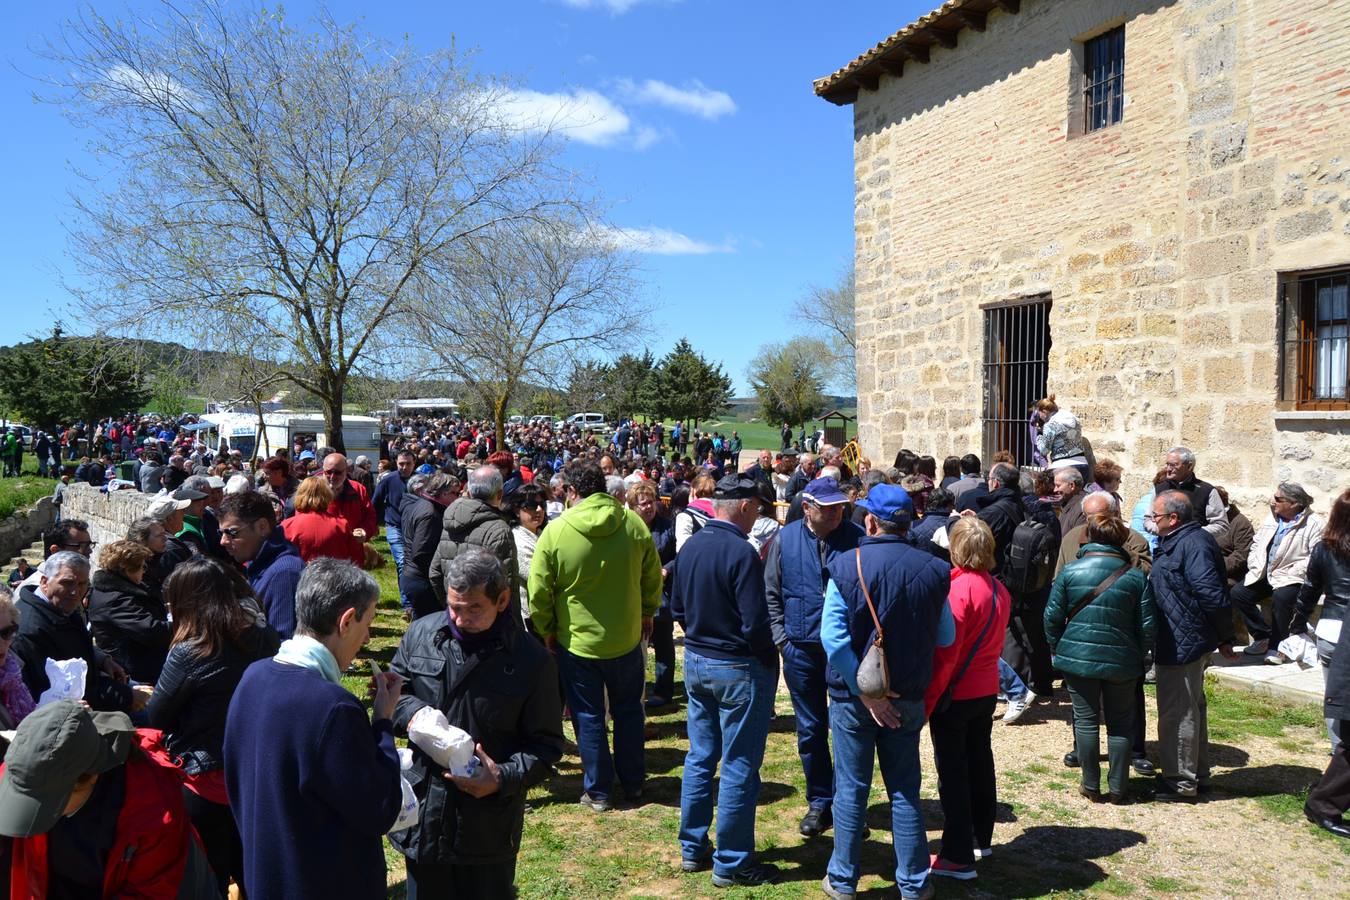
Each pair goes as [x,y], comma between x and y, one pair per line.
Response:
[197,732]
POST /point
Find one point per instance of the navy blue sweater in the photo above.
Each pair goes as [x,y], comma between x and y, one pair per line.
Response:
[718,596]
[313,786]
[388,499]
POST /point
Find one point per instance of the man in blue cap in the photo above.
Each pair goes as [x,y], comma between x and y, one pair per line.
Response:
[794,580]
[906,589]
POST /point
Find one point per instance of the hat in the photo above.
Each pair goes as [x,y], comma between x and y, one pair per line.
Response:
[824,492]
[215,481]
[736,487]
[52,747]
[238,484]
[164,506]
[889,503]
[307,454]
[188,494]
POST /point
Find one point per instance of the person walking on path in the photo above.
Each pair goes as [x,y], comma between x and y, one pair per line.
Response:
[730,674]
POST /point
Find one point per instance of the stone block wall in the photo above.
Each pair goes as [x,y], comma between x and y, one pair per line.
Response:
[24,527]
[108,515]
[1160,239]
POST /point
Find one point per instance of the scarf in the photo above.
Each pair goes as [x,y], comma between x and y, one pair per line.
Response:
[307,653]
[474,643]
[14,694]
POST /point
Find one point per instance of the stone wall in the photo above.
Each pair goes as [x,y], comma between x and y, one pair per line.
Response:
[108,515]
[1160,239]
[24,527]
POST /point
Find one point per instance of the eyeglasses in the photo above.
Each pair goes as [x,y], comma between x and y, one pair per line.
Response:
[84,547]
[233,531]
[1278,499]
[7,633]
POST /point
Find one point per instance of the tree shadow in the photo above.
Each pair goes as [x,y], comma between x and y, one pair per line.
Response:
[783,724]
[1228,756]
[1046,859]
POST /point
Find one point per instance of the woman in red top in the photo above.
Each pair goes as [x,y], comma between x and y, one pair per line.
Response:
[314,531]
[960,700]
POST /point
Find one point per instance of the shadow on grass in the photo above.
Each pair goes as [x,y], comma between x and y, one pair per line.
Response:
[1266,781]
[1228,756]
[1048,859]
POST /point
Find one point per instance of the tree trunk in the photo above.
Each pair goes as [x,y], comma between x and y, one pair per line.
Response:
[499,417]
[332,413]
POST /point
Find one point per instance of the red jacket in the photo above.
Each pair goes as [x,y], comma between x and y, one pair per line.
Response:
[970,600]
[352,505]
[149,854]
[317,534]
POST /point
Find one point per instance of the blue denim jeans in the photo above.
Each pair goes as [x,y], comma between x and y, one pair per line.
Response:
[395,538]
[804,667]
[1010,685]
[729,706]
[858,739]
[587,681]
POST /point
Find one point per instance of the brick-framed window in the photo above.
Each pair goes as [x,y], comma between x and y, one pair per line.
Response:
[1104,79]
[1314,336]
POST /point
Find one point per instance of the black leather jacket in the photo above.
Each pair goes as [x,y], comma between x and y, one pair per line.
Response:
[505,694]
[129,624]
[1327,575]
[193,692]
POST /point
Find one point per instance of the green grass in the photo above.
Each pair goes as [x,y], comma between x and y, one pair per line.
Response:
[1233,715]
[755,434]
[19,493]
[1162,884]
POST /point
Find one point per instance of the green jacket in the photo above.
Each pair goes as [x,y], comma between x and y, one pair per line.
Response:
[594,577]
[1109,637]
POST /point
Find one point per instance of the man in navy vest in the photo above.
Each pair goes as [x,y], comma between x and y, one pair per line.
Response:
[908,588]
[794,580]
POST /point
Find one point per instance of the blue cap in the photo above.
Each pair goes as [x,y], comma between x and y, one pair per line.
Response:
[824,492]
[889,503]
[307,454]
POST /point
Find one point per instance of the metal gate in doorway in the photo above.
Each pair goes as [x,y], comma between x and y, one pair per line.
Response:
[1016,366]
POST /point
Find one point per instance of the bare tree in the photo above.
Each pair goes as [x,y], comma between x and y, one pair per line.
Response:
[280,185]
[525,301]
[829,311]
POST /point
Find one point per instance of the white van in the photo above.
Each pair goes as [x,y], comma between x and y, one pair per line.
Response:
[587,421]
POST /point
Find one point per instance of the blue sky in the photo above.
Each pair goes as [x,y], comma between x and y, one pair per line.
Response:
[697,125]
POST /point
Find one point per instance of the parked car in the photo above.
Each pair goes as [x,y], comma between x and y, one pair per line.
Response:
[541,420]
[516,420]
[587,421]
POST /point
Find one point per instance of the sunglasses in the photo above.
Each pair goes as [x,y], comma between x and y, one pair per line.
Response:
[7,634]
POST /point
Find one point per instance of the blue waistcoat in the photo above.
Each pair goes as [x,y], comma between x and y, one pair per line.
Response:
[909,588]
[802,575]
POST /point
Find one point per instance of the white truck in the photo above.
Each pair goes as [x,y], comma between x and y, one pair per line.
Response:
[281,429]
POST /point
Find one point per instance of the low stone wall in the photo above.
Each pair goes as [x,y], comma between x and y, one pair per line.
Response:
[24,527]
[108,515]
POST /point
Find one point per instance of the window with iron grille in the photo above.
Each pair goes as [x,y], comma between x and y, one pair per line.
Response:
[1016,368]
[1104,79]
[1314,329]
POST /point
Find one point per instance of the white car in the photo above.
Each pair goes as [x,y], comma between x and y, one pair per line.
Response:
[587,421]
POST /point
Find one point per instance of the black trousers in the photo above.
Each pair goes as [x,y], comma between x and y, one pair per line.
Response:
[220,838]
[663,648]
[1139,727]
[1331,797]
[421,597]
[1025,647]
[965,767]
[1247,599]
[437,882]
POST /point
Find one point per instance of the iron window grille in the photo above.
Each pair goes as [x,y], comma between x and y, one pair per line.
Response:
[1314,336]
[1104,79]
[1016,369]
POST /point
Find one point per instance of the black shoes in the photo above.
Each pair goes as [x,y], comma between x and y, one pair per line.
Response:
[655,702]
[816,821]
[1071,759]
[752,875]
[1142,766]
[698,864]
[1336,826]
[1167,792]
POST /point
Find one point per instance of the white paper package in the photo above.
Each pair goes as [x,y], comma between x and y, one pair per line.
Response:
[66,677]
[451,747]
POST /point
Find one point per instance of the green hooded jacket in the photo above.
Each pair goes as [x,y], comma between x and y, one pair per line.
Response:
[595,575]
[1108,638]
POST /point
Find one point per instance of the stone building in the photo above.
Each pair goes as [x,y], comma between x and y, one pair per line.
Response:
[1141,206]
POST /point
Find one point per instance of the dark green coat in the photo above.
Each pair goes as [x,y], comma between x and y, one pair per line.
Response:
[1109,637]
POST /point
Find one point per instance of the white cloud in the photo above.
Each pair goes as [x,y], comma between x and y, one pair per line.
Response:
[694,98]
[661,242]
[151,86]
[581,114]
[615,7]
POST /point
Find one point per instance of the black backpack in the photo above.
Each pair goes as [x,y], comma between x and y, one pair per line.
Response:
[1029,565]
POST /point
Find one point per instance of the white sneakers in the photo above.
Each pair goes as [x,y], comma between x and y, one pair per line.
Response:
[1019,706]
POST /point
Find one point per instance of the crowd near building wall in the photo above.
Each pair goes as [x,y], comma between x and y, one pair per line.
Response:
[1160,240]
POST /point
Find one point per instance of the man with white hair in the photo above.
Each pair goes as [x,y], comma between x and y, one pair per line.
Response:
[476,518]
[1210,510]
[51,627]
[615,487]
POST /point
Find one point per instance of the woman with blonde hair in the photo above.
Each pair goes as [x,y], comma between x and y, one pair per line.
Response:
[128,622]
[1099,622]
[961,698]
[314,531]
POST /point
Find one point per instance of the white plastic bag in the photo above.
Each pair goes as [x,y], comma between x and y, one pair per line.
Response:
[407,814]
[451,747]
[1297,648]
[67,680]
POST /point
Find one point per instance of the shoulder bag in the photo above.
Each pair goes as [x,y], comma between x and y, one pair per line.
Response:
[874,677]
[1099,589]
